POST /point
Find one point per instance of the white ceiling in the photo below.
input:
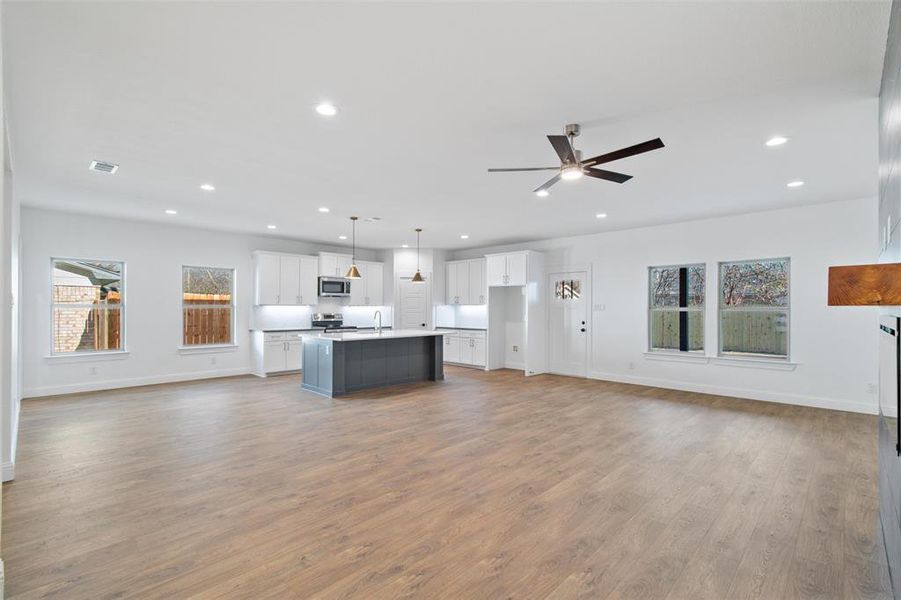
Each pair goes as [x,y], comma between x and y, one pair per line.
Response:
[431,95]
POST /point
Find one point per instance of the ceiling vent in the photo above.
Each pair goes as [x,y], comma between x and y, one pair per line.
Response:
[372,219]
[103,167]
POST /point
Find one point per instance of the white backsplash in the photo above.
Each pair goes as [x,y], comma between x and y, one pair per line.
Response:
[300,317]
[474,317]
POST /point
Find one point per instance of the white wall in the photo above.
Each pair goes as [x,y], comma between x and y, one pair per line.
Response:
[154,255]
[834,348]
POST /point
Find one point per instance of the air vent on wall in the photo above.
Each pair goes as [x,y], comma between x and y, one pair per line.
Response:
[103,167]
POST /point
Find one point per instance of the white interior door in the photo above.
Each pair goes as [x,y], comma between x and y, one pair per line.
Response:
[568,323]
[414,304]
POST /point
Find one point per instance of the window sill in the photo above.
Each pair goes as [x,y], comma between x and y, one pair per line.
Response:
[773,364]
[683,357]
[87,356]
[209,349]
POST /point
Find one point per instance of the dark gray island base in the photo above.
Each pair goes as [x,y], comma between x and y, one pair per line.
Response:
[343,363]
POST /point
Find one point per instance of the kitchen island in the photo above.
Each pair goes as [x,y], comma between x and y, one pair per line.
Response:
[336,364]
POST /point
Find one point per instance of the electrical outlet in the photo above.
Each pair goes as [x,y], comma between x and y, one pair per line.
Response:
[92,370]
[631,365]
[600,307]
[212,360]
[872,388]
[516,348]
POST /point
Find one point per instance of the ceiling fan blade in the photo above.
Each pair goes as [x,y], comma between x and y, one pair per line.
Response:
[548,183]
[524,169]
[563,148]
[608,175]
[624,152]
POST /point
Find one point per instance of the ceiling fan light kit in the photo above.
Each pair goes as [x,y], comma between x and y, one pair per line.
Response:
[572,166]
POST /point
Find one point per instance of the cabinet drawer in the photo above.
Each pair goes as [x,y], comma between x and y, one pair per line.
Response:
[274,337]
[293,335]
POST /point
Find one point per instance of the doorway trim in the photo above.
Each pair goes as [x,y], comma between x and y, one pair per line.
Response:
[397,302]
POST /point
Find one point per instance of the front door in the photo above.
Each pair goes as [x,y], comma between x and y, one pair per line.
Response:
[414,304]
[568,323]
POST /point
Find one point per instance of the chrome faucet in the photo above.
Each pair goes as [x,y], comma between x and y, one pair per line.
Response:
[378,314]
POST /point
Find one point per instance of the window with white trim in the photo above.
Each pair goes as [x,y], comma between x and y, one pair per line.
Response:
[87,306]
[754,308]
[676,308]
[208,306]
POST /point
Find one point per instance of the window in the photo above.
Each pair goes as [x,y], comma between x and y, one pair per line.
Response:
[754,307]
[88,304]
[676,302]
[208,306]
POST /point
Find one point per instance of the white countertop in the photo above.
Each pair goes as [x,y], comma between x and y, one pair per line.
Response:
[354,336]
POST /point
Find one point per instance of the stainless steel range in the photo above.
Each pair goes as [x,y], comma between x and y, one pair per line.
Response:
[332,322]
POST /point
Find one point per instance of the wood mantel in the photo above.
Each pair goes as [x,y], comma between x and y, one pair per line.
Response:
[865,285]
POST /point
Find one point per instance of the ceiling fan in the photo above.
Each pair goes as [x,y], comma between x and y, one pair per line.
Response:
[573,167]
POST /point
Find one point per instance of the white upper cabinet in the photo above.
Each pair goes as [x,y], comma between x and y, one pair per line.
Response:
[369,289]
[508,269]
[517,273]
[478,287]
[289,279]
[268,275]
[309,280]
[286,279]
[334,265]
[466,282]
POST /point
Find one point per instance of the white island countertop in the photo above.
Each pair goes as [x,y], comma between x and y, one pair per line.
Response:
[356,336]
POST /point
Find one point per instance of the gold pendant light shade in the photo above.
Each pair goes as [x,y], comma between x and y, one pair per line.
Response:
[353,272]
[418,278]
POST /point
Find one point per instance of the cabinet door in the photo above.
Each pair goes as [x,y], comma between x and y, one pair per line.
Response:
[309,286]
[497,270]
[328,265]
[478,351]
[267,279]
[294,355]
[477,287]
[289,278]
[274,357]
[375,285]
[466,349]
[463,282]
[516,269]
[451,283]
[452,348]
[344,262]
[358,286]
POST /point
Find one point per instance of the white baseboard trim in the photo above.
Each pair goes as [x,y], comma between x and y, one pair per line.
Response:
[515,365]
[778,397]
[8,471]
[114,384]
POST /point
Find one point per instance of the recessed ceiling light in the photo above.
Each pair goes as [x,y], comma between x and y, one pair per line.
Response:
[323,209]
[464,237]
[208,187]
[601,216]
[169,211]
[326,109]
[776,140]
[270,227]
[794,184]
[342,237]
[405,246]
[542,193]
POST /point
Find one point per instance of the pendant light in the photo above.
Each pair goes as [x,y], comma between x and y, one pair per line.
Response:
[417,278]
[353,272]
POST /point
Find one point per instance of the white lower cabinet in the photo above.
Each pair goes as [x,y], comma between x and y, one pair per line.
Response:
[278,352]
[465,347]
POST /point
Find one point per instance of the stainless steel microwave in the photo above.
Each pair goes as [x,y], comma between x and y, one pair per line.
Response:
[334,287]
